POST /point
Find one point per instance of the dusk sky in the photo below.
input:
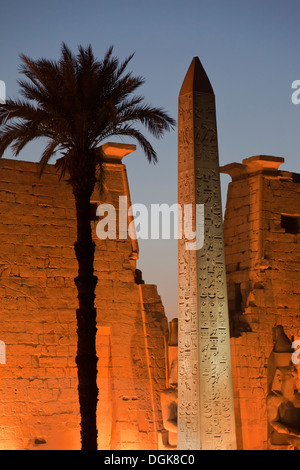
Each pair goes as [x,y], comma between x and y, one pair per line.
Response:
[249,49]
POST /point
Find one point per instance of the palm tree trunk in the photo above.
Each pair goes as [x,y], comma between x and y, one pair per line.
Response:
[86,358]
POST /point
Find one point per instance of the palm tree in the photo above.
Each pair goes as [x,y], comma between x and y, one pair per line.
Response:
[76,103]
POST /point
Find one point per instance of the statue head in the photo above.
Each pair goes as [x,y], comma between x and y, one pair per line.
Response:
[279,362]
[282,344]
[173,376]
[285,381]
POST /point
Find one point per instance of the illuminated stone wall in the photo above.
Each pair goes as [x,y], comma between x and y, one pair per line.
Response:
[263,272]
[38,383]
[38,378]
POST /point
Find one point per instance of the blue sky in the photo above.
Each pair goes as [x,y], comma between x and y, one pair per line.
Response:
[249,50]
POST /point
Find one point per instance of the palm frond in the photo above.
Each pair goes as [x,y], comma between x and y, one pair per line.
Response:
[129,131]
[20,109]
[17,135]
[49,152]
[77,102]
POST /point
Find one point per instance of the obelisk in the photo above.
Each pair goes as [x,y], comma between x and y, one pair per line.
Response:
[205,397]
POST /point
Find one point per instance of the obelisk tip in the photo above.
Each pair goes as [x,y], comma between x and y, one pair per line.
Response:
[196,79]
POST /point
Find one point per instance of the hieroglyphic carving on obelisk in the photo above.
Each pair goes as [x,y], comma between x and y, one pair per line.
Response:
[205,397]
